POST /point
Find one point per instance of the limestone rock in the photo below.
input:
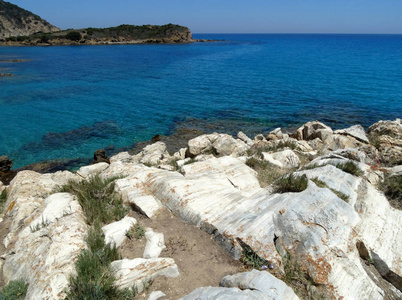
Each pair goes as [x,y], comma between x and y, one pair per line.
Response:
[155,244]
[266,283]
[218,293]
[356,131]
[123,157]
[92,170]
[227,145]
[259,137]
[154,154]
[395,171]
[44,255]
[140,270]
[283,159]
[275,134]
[115,233]
[390,128]
[312,130]
[199,144]
[5,163]
[2,187]
[156,295]
[242,136]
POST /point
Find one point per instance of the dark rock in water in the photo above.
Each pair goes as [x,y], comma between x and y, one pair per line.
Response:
[5,164]
[6,75]
[100,156]
[156,138]
[51,166]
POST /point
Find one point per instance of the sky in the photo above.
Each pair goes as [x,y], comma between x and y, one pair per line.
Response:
[227,16]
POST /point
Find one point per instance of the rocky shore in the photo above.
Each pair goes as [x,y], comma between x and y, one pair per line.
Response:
[315,214]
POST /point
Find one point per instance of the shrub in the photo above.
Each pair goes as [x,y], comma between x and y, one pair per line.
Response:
[73,36]
[14,290]
[392,188]
[250,258]
[351,168]
[98,199]
[138,231]
[291,184]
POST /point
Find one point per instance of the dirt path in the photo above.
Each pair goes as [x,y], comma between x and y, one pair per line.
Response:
[200,260]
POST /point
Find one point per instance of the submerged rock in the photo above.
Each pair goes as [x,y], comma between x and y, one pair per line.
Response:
[5,163]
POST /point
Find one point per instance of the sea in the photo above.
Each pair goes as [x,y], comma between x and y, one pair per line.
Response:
[65,102]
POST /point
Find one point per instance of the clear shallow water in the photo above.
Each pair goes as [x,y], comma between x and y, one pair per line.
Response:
[117,95]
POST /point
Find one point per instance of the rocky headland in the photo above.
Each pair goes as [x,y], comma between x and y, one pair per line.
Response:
[313,214]
[16,21]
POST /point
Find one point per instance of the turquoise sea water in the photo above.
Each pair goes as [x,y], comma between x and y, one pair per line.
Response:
[66,102]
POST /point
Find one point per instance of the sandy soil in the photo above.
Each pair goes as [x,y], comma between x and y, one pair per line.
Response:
[200,260]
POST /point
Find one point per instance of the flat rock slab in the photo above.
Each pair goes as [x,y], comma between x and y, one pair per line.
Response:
[92,170]
[138,272]
[115,233]
[155,244]
[219,293]
[145,204]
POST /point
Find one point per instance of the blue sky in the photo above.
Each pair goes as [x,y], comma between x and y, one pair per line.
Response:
[227,16]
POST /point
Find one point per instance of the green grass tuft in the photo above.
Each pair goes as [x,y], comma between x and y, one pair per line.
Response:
[351,168]
[98,199]
[14,290]
[273,148]
[392,188]
[94,278]
[322,184]
[3,200]
[291,184]
[267,173]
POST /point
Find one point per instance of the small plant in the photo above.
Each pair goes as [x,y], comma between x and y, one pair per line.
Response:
[14,290]
[3,200]
[392,188]
[44,223]
[98,199]
[250,258]
[291,184]
[191,161]
[139,231]
[351,168]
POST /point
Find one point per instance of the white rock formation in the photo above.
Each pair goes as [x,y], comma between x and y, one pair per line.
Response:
[115,233]
[138,272]
[356,131]
[217,293]
[242,136]
[284,159]
[92,170]
[156,295]
[155,244]
[312,130]
[44,252]
[266,283]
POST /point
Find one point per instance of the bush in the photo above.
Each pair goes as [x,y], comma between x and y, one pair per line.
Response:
[267,173]
[98,199]
[392,188]
[291,184]
[73,36]
[250,258]
[14,290]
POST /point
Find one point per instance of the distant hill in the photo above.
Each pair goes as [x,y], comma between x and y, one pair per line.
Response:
[123,34]
[16,21]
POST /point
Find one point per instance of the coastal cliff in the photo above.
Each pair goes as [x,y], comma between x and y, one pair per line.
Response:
[16,21]
[315,214]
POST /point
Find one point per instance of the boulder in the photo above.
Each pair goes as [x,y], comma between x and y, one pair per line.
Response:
[312,130]
[41,255]
[100,156]
[265,282]
[155,244]
[92,170]
[284,159]
[200,144]
[218,293]
[390,128]
[243,137]
[275,134]
[226,145]
[5,163]
[156,295]
[115,233]
[356,131]
[154,154]
[140,271]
